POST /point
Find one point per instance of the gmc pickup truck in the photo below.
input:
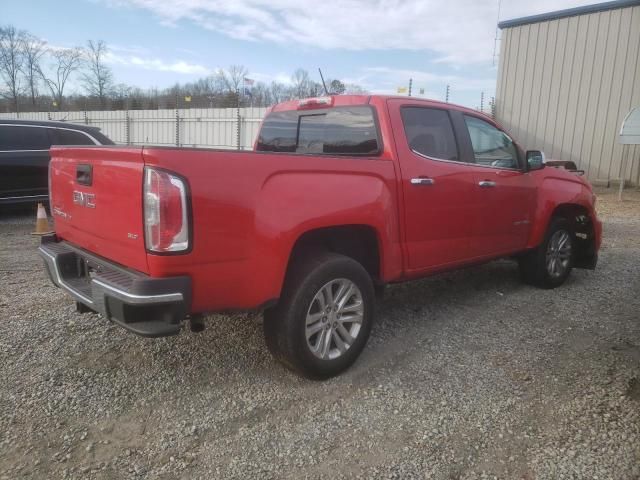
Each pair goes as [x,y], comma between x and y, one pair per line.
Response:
[341,195]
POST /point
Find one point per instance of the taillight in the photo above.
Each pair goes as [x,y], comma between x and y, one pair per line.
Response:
[166,216]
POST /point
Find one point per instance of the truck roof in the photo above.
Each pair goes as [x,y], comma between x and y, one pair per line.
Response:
[345,100]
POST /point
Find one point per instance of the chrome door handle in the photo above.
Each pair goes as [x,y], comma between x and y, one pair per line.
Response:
[486,184]
[422,181]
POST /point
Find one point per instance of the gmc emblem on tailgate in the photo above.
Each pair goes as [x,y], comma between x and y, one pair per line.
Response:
[84,199]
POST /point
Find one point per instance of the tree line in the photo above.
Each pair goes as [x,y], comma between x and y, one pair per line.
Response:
[37,77]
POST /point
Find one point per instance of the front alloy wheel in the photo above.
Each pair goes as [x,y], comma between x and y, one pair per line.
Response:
[549,265]
[558,253]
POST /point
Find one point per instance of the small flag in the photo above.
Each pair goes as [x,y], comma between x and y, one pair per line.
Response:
[402,89]
[187,98]
[248,81]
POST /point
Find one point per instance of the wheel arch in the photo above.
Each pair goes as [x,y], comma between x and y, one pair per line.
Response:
[582,221]
[360,242]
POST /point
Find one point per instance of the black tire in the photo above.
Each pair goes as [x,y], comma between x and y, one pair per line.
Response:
[284,325]
[533,265]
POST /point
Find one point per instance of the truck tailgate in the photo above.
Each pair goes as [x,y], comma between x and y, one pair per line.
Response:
[96,201]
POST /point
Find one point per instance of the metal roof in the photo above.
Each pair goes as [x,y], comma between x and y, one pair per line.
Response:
[570,12]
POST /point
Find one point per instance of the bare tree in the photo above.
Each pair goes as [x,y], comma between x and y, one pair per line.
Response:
[33,48]
[98,79]
[231,79]
[301,83]
[337,87]
[278,92]
[261,95]
[205,86]
[65,62]
[11,62]
[122,90]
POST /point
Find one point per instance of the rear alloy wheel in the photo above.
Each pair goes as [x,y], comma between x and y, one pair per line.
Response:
[549,265]
[324,316]
[334,319]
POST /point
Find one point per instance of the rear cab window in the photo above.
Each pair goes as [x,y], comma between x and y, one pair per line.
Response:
[336,131]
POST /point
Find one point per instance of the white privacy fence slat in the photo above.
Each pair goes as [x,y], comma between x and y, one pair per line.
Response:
[197,127]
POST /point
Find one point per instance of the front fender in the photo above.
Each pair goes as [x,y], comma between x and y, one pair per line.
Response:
[557,190]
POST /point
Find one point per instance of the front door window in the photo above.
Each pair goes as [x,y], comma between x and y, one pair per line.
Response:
[491,147]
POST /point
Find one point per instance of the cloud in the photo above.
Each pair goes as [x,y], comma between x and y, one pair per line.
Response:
[280,77]
[395,76]
[137,56]
[179,66]
[129,49]
[459,32]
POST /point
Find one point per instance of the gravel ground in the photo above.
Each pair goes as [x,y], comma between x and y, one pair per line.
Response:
[467,375]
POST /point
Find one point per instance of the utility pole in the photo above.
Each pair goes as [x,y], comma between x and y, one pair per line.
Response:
[482,102]
[238,120]
[410,84]
[447,95]
[177,127]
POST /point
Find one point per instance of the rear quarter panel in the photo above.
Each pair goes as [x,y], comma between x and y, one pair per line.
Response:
[249,208]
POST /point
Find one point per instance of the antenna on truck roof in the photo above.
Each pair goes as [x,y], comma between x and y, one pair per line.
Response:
[323,84]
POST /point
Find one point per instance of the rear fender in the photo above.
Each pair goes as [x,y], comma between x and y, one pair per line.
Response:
[294,203]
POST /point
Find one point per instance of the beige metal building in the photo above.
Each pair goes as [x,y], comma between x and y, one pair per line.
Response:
[566,81]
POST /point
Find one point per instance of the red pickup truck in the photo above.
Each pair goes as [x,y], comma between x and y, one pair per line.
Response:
[341,195]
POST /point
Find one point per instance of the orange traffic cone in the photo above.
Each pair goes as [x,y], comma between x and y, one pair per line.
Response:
[42,224]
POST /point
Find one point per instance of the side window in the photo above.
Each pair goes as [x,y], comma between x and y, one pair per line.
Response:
[429,132]
[19,137]
[491,146]
[70,137]
[336,131]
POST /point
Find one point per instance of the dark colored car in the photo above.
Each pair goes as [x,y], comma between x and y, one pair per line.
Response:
[24,155]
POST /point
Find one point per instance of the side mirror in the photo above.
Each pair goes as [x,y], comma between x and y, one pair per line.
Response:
[535,160]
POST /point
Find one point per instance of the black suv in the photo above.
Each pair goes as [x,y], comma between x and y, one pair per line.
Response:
[24,155]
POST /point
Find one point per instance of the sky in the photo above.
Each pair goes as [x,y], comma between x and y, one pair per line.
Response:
[377,44]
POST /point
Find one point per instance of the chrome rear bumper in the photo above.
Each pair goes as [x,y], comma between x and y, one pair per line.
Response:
[151,307]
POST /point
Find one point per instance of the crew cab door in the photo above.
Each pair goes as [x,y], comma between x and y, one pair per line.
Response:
[506,192]
[438,187]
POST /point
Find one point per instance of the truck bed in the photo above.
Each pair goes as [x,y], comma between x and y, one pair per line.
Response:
[247,210]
